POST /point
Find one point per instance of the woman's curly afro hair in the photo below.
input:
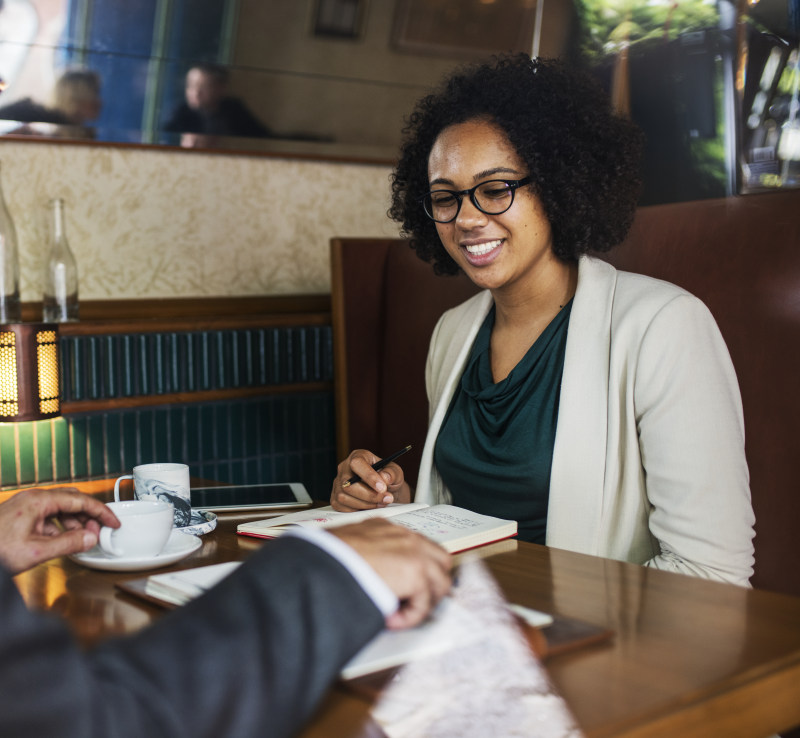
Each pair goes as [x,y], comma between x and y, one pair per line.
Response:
[584,160]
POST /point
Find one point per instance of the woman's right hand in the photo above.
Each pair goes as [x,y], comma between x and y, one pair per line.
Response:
[376,488]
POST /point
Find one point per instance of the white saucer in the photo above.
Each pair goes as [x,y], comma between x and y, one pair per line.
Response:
[178,547]
[202,522]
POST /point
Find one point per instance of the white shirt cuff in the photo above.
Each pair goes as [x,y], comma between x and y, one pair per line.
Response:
[375,588]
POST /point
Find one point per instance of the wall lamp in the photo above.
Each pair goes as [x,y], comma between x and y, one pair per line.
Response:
[29,381]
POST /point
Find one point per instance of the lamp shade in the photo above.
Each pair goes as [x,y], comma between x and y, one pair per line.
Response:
[29,381]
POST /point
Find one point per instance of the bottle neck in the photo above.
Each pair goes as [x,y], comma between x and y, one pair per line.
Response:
[58,220]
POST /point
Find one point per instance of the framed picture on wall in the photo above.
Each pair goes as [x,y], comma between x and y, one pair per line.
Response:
[338,18]
[467,29]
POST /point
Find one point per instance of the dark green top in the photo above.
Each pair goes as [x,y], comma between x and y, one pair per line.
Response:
[495,447]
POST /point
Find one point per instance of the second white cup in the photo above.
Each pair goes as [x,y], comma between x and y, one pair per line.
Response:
[167,482]
[144,531]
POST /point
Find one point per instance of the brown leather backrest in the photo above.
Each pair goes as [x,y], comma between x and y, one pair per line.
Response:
[740,255]
[385,302]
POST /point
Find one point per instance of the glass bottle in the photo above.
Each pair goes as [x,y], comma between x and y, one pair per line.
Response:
[10,310]
[60,303]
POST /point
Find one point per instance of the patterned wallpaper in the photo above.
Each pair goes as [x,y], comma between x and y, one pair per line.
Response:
[159,223]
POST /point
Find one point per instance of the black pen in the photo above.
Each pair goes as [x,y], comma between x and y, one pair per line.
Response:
[378,465]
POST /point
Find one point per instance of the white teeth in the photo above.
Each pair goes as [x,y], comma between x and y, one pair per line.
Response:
[480,249]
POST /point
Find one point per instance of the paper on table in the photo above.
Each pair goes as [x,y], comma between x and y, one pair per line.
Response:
[179,587]
[491,685]
[449,627]
[395,647]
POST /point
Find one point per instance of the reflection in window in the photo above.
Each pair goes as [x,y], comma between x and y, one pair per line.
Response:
[663,64]
[152,43]
[768,85]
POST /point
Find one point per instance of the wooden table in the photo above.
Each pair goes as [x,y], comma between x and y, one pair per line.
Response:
[689,657]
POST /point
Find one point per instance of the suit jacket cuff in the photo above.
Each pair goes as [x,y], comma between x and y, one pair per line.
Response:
[374,587]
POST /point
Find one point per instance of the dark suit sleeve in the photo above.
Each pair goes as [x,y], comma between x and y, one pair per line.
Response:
[253,657]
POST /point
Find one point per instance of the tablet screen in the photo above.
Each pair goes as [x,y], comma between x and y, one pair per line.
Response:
[259,495]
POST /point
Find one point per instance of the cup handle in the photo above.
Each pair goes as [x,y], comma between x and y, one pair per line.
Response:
[107,542]
[116,486]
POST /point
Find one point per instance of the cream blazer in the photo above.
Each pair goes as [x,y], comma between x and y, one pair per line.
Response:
[648,463]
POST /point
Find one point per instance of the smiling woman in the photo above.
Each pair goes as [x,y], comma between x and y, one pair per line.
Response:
[598,409]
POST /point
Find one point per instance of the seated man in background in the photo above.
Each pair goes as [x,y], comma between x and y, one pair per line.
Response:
[209,112]
[76,102]
[251,657]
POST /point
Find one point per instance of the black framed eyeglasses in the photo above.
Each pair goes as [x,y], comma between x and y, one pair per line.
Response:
[492,197]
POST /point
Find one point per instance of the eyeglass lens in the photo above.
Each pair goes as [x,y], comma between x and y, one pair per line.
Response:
[492,197]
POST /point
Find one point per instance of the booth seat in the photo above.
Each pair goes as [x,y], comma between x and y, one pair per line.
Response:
[740,255]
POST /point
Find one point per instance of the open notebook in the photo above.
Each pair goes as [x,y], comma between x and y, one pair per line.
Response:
[453,528]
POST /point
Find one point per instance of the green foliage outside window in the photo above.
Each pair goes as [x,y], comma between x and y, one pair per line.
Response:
[608,24]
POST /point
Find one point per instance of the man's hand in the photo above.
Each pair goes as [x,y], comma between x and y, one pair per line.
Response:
[37,525]
[414,568]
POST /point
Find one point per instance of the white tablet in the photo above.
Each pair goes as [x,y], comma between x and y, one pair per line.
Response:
[249,497]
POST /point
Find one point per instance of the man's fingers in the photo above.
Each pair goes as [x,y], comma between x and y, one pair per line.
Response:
[64,544]
[435,583]
[412,611]
[71,522]
[38,524]
[67,503]
[414,568]
[73,541]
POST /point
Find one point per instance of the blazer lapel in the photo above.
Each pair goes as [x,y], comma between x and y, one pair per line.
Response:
[579,456]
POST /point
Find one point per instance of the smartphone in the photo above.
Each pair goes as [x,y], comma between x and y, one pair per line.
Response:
[250,497]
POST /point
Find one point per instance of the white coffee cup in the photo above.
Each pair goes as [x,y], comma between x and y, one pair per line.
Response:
[144,531]
[168,482]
